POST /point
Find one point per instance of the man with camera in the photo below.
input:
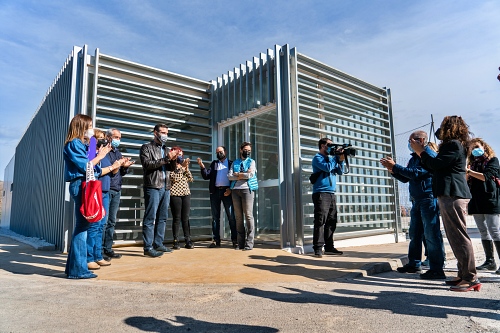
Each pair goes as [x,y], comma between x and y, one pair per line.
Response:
[326,164]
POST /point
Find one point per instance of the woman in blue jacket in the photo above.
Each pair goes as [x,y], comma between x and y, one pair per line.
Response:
[243,177]
[75,158]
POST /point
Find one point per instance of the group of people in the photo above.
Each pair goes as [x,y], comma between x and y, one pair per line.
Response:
[457,178]
[166,178]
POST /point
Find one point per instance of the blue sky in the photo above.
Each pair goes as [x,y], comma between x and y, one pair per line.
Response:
[438,57]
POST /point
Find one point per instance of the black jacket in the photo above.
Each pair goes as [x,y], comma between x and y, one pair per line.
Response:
[211,173]
[485,196]
[448,169]
[152,165]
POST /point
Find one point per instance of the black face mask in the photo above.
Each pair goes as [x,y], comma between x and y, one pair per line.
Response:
[438,133]
[245,154]
[221,156]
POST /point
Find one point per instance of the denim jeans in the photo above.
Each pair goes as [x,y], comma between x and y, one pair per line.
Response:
[76,265]
[216,199]
[180,207]
[155,216]
[109,229]
[94,233]
[325,220]
[243,205]
[488,226]
[424,223]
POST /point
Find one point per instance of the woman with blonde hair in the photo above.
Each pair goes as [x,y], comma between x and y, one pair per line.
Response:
[75,157]
[485,203]
[450,187]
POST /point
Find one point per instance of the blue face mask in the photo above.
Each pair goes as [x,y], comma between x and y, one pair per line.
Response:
[410,148]
[477,152]
[115,143]
[180,159]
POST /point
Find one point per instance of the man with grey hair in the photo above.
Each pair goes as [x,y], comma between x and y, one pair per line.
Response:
[424,215]
[114,136]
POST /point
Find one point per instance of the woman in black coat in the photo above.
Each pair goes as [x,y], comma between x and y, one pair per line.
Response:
[485,202]
[450,187]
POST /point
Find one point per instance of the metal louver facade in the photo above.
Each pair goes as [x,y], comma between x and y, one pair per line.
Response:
[282,102]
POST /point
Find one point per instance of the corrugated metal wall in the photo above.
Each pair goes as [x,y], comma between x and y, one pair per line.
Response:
[133,98]
[334,104]
[39,208]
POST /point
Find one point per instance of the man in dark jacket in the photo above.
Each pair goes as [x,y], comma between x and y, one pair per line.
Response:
[220,192]
[157,162]
[114,136]
[424,215]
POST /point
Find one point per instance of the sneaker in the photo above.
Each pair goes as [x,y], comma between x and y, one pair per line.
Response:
[409,269]
[318,254]
[189,245]
[334,251]
[425,262]
[153,253]
[433,275]
[235,245]
[163,249]
[247,248]
[214,245]
[111,255]
[176,246]
[103,262]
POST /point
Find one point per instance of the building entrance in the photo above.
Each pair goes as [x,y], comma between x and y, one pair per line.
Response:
[261,130]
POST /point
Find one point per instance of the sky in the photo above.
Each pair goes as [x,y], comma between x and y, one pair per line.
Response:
[438,57]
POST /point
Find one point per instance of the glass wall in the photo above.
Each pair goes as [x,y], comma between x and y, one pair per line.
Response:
[261,131]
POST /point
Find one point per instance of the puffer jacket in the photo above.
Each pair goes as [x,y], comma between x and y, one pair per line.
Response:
[419,179]
[153,163]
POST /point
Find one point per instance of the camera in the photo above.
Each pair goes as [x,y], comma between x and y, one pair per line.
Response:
[341,149]
[102,142]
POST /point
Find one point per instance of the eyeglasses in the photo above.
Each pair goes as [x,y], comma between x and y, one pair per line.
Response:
[414,139]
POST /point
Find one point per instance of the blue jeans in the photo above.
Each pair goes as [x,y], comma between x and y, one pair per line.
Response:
[109,229]
[76,265]
[94,233]
[155,217]
[243,205]
[216,199]
[424,220]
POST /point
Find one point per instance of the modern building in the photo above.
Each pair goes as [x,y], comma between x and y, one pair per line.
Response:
[281,101]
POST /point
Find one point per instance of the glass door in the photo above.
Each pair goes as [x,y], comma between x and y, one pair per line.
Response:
[262,132]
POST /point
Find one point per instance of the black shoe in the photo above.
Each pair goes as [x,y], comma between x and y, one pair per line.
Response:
[214,244]
[163,249]
[247,248]
[318,254]
[153,253]
[189,245]
[235,245]
[105,257]
[453,282]
[334,252]
[488,265]
[433,275]
[409,269]
[112,255]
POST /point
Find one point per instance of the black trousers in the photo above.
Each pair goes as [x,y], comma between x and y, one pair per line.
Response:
[325,220]
[180,207]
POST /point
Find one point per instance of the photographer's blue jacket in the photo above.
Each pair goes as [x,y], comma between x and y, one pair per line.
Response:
[75,158]
[331,166]
[419,179]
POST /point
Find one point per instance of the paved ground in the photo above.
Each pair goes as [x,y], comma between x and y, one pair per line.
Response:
[224,290]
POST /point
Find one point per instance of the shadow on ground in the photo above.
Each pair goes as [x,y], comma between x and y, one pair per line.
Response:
[188,324]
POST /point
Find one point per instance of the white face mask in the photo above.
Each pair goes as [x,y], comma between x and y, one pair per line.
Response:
[89,133]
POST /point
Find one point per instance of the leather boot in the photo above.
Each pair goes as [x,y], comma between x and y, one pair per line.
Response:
[497,245]
[176,244]
[489,263]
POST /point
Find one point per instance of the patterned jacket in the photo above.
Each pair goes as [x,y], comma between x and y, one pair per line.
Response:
[179,179]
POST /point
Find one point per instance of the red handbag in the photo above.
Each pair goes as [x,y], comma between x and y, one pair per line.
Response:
[92,208]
